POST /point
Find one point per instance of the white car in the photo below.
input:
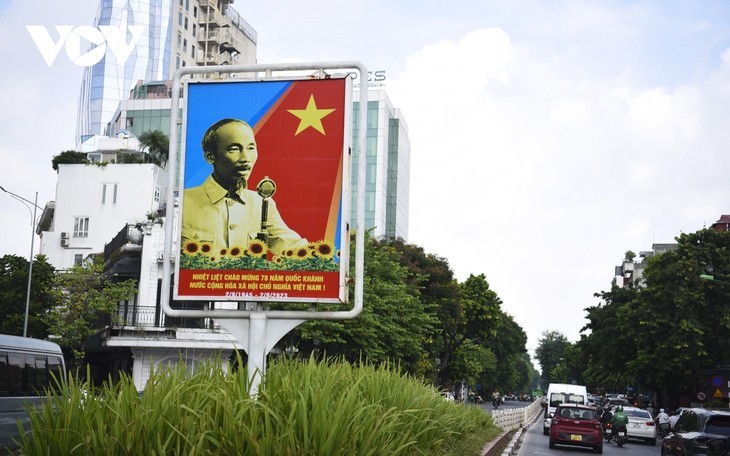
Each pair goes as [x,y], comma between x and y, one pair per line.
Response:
[641,425]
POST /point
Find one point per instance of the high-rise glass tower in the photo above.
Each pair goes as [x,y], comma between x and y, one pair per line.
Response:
[108,82]
[176,33]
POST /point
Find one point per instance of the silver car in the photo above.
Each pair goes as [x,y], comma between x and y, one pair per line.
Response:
[641,425]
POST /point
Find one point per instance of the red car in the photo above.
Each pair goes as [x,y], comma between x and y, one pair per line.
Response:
[577,425]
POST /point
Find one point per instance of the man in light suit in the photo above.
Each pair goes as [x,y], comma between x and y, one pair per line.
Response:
[222,211]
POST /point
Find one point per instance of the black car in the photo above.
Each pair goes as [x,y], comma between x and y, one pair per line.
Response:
[698,432]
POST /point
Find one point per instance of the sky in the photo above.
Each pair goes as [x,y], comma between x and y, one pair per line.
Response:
[548,137]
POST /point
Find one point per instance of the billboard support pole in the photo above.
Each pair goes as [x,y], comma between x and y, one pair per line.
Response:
[258,335]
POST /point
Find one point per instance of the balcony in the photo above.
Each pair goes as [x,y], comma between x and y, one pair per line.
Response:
[122,254]
[211,58]
[131,314]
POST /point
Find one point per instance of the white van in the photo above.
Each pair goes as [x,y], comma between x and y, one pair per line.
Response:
[562,393]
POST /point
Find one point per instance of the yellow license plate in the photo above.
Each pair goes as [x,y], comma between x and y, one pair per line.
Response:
[576,437]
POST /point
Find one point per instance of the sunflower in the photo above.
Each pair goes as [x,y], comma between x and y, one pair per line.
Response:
[288,253]
[191,247]
[277,259]
[302,253]
[235,251]
[223,252]
[256,248]
[324,249]
[206,247]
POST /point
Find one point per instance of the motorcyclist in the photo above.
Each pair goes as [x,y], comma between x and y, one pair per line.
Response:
[495,398]
[662,420]
[606,418]
[619,420]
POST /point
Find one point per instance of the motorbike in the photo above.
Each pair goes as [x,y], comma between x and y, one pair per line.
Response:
[606,424]
[664,429]
[607,427]
[621,436]
[496,402]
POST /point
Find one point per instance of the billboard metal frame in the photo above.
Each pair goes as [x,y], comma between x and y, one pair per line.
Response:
[265,72]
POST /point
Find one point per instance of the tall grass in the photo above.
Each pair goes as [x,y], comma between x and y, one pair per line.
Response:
[316,408]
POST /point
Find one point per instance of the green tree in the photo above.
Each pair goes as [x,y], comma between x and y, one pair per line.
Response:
[432,279]
[85,299]
[681,322]
[508,342]
[611,344]
[392,325]
[158,145]
[13,292]
[661,336]
[68,157]
[550,352]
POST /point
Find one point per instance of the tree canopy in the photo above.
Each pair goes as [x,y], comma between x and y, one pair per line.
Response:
[158,145]
[13,291]
[68,157]
[416,314]
[660,336]
[84,299]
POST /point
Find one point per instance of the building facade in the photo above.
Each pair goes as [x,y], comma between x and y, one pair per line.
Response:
[170,34]
[93,200]
[387,162]
[631,273]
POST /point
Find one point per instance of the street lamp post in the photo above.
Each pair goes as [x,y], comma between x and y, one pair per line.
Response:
[32,240]
[711,278]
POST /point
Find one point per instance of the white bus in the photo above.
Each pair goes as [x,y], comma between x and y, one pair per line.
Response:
[27,370]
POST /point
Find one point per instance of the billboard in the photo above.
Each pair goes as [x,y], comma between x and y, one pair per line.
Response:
[265,178]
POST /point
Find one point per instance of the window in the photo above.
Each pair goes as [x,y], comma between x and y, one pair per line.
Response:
[193,29]
[195,14]
[81,227]
[186,24]
[109,193]
[78,258]
[157,193]
[192,50]
[185,45]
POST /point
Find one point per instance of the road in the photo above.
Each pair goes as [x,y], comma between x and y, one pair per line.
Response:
[534,443]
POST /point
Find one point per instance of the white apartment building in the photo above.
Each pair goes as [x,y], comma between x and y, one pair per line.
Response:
[94,200]
[117,209]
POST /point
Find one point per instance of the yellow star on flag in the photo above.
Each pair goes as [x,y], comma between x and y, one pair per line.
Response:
[311,116]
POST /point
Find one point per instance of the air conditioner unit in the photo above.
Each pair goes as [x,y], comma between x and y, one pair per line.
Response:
[64,235]
[64,242]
